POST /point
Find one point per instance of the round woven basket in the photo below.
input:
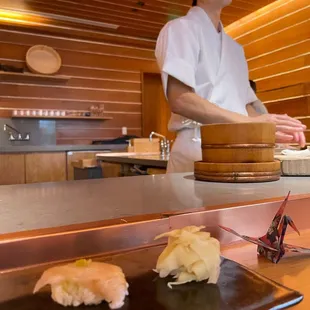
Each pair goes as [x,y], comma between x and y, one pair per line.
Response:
[42,59]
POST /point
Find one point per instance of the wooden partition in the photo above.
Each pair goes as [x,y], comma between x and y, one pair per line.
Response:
[155,108]
[101,73]
[276,40]
[105,65]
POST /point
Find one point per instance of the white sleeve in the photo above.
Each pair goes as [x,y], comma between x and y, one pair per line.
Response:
[251,96]
[259,107]
[256,103]
[177,53]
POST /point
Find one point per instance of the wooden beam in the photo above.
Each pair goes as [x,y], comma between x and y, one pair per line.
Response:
[293,107]
[298,90]
[284,80]
[280,67]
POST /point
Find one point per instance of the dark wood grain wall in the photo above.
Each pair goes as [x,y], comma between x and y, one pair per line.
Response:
[102,73]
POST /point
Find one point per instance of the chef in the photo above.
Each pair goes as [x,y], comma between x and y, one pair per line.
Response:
[205,80]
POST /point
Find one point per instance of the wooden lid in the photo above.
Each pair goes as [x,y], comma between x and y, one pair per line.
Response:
[240,133]
[43,59]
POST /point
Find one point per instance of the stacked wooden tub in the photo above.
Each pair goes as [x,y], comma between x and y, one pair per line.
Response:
[238,153]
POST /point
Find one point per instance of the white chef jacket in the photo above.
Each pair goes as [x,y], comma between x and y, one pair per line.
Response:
[191,50]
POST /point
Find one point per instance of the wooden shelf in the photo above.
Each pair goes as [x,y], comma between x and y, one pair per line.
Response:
[90,118]
[30,77]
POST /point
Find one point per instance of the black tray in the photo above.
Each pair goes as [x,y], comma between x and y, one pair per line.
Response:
[238,289]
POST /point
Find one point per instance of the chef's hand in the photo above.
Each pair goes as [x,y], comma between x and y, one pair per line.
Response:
[288,129]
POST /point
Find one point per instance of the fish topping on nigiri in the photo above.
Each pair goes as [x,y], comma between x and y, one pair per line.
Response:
[191,255]
[85,282]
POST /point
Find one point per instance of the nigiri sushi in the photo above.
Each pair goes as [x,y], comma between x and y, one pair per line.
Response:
[85,282]
[191,255]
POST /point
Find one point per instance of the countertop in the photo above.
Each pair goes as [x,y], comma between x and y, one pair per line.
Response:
[61,148]
[152,160]
[47,205]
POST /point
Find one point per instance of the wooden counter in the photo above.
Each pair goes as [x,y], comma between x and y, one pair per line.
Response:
[95,203]
[293,271]
[133,244]
[47,205]
[151,160]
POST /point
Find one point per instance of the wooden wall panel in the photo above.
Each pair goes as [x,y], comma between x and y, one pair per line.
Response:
[84,132]
[63,43]
[93,73]
[73,93]
[45,26]
[271,13]
[83,58]
[280,67]
[105,64]
[137,22]
[156,111]
[297,14]
[305,120]
[131,120]
[299,90]
[276,40]
[285,79]
[86,136]
[293,107]
[288,36]
[101,73]
[43,103]
[286,53]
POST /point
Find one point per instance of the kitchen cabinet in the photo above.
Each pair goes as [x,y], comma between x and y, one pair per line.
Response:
[45,167]
[12,169]
[153,171]
[39,167]
[74,156]
[111,170]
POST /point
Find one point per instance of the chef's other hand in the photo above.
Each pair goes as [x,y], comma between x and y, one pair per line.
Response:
[288,129]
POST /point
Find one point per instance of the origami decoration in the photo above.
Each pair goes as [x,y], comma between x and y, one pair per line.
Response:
[271,245]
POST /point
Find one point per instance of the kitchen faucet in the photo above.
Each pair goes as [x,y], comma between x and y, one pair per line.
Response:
[6,127]
[164,143]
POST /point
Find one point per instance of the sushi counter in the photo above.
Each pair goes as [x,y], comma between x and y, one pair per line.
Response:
[90,203]
[116,221]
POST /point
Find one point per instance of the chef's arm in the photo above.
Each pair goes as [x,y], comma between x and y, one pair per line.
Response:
[183,101]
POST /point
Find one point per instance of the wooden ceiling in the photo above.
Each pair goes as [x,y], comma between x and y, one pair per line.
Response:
[141,19]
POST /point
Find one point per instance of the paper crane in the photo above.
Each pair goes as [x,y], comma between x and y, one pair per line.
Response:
[271,245]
